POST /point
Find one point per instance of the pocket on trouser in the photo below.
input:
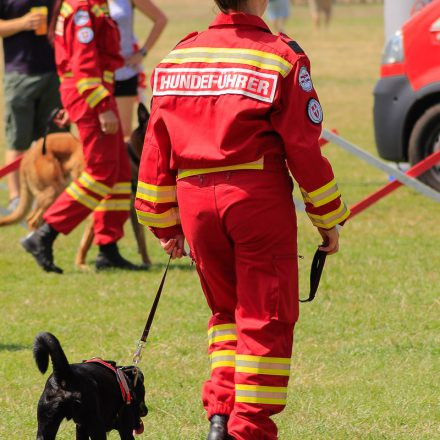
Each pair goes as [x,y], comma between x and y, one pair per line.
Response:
[284,302]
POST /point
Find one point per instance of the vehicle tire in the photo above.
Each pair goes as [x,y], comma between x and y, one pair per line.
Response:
[425,140]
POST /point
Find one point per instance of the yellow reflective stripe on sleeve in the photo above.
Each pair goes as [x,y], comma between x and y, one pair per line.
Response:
[323,195]
[97,96]
[250,57]
[81,196]
[87,83]
[260,394]
[156,194]
[114,205]
[66,10]
[108,76]
[121,188]
[222,358]
[256,165]
[91,184]
[222,333]
[164,220]
[331,219]
[262,365]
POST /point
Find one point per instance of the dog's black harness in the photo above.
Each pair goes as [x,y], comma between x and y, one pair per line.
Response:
[120,376]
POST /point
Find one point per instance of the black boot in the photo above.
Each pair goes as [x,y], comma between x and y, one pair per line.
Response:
[110,258]
[219,428]
[39,245]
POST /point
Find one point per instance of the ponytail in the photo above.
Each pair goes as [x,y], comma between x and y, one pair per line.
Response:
[53,20]
[226,5]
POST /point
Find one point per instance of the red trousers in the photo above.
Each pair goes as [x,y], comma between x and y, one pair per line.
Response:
[104,187]
[241,229]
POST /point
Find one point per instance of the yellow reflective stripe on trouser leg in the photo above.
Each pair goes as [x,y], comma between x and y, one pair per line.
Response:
[260,394]
[114,205]
[121,188]
[271,366]
[222,358]
[87,181]
[81,196]
[222,333]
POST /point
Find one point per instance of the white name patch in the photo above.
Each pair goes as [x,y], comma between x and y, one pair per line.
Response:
[215,81]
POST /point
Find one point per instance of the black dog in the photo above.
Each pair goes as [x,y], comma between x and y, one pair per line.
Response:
[96,394]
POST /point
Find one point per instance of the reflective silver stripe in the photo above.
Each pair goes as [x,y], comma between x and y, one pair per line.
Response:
[322,197]
[331,219]
[81,196]
[222,358]
[87,181]
[222,332]
[262,365]
[156,194]
[260,394]
[257,58]
[163,220]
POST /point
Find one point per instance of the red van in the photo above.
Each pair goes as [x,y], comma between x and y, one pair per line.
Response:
[407,96]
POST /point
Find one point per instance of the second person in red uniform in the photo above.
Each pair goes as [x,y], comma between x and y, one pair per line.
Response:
[234,108]
[86,44]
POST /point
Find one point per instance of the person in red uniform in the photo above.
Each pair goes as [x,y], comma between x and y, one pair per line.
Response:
[234,109]
[86,44]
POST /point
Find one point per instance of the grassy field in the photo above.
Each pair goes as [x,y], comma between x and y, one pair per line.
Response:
[366,357]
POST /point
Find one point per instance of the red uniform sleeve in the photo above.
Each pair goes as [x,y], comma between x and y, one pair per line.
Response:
[156,201]
[80,38]
[297,118]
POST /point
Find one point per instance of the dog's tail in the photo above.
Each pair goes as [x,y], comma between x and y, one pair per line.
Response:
[23,206]
[45,345]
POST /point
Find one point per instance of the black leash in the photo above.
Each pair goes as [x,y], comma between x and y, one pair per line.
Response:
[141,344]
[315,274]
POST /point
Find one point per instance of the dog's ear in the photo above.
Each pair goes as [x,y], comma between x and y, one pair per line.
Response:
[143,114]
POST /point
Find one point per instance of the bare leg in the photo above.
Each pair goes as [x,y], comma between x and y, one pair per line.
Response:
[125,107]
[13,178]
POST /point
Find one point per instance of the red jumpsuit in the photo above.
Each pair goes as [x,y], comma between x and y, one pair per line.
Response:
[87,54]
[232,106]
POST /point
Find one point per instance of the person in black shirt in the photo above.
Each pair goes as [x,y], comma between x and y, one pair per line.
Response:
[30,80]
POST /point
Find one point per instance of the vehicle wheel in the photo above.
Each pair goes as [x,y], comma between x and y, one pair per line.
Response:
[425,140]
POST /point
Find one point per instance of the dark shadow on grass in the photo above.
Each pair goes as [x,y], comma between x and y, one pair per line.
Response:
[156,267]
[13,347]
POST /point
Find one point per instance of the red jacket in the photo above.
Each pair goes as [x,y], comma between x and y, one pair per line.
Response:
[87,54]
[233,97]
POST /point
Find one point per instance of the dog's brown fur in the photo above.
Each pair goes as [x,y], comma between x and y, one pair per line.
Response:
[43,177]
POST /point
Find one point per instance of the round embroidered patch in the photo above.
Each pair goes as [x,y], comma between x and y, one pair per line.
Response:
[304,79]
[85,35]
[81,18]
[314,111]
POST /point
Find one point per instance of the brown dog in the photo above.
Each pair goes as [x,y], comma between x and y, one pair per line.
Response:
[134,148]
[43,177]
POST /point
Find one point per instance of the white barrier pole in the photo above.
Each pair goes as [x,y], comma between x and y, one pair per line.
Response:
[374,161]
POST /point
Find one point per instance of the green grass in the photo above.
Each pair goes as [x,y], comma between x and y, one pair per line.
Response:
[366,356]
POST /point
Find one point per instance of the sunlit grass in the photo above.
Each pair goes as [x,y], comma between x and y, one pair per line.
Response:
[366,356]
